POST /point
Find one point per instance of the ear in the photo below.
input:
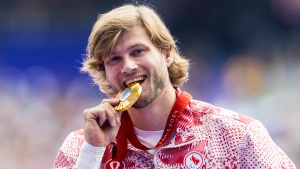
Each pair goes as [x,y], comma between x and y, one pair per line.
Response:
[168,58]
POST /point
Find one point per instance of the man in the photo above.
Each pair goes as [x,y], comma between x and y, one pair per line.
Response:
[164,128]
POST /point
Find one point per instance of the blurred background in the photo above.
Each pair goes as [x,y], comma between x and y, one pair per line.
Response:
[245,57]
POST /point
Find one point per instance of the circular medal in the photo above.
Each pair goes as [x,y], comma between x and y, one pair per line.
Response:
[128,96]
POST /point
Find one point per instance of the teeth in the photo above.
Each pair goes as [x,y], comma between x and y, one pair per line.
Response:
[134,80]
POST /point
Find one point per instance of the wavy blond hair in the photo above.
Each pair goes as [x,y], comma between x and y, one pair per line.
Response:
[106,31]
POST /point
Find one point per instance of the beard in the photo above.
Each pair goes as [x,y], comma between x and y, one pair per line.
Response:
[157,85]
[155,89]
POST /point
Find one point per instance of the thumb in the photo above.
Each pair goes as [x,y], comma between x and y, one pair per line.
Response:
[114,101]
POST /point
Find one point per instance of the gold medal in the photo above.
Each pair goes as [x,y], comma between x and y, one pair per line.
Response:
[128,96]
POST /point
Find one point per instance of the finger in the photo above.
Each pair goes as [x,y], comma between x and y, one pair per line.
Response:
[118,118]
[103,112]
[101,117]
[110,103]
[111,114]
[113,101]
[112,120]
[96,113]
[87,114]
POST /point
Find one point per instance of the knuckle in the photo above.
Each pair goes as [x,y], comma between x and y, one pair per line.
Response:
[86,111]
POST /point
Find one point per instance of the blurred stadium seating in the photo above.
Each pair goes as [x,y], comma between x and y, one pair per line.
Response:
[245,57]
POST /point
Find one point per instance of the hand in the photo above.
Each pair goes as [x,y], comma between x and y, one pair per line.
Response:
[102,123]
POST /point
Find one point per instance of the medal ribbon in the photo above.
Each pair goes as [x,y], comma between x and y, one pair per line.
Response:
[127,130]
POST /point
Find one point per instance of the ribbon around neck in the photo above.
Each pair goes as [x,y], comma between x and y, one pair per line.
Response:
[126,130]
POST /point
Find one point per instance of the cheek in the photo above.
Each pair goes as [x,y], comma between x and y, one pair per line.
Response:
[111,75]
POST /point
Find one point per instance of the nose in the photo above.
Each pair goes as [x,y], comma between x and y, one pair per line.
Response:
[129,64]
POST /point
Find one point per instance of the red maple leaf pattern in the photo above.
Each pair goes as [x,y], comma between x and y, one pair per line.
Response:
[195,160]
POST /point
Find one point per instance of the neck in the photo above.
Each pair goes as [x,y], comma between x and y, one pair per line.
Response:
[154,116]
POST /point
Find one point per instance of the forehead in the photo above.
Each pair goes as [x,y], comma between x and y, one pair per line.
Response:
[132,37]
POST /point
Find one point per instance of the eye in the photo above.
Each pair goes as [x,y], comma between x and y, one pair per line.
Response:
[137,52]
[114,58]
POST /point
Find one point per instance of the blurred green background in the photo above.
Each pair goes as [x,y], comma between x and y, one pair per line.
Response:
[245,57]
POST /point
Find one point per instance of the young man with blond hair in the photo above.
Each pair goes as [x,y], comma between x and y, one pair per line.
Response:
[165,127]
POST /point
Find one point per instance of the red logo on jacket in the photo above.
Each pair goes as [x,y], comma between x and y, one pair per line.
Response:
[193,160]
[111,164]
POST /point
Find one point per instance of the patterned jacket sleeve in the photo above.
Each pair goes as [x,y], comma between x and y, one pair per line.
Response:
[69,151]
[259,151]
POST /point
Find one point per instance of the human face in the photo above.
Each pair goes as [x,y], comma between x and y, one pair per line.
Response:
[135,58]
